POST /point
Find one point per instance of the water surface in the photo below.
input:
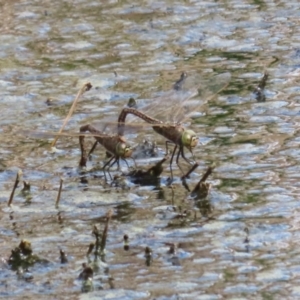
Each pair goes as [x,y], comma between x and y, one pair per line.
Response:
[248,249]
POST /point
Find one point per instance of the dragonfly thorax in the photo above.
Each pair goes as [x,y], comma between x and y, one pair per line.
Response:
[123,150]
[189,139]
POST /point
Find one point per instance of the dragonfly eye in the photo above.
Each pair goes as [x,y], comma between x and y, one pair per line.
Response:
[127,152]
[189,139]
[194,141]
[123,150]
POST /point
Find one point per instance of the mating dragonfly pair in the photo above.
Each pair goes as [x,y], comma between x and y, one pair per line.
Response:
[118,148]
[175,106]
[177,103]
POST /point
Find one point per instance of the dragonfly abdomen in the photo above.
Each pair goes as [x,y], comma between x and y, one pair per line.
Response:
[139,114]
[132,111]
[170,132]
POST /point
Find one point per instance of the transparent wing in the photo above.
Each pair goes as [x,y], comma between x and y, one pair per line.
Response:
[176,105]
[48,134]
[188,95]
[206,91]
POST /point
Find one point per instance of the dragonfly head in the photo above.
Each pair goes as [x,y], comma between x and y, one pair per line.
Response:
[123,150]
[189,139]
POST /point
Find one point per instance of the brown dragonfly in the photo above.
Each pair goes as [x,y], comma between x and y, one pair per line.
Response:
[175,103]
[115,145]
[117,148]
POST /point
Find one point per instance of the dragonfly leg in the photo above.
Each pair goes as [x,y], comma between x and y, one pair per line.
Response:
[173,153]
[109,165]
[117,160]
[134,162]
[167,150]
[192,169]
[92,149]
[180,152]
[195,165]
[126,162]
[188,161]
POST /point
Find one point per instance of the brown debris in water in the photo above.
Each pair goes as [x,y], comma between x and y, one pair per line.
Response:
[259,90]
[150,176]
[25,192]
[94,266]
[126,242]
[25,247]
[59,193]
[87,277]
[86,273]
[201,189]
[148,256]
[63,257]
[91,248]
[19,174]
[179,83]
[22,257]
[60,218]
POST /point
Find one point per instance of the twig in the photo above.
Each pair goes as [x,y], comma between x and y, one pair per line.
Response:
[59,193]
[14,188]
[203,179]
[104,235]
[85,87]
[207,173]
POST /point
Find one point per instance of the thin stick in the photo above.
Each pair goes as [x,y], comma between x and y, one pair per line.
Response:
[59,193]
[85,87]
[207,173]
[203,179]
[104,235]
[14,188]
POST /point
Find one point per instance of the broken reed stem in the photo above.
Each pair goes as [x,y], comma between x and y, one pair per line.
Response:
[104,235]
[207,173]
[204,177]
[14,188]
[84,88]
[59,193]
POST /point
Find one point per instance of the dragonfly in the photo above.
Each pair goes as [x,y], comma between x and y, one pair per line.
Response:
[175,103]
[115,145]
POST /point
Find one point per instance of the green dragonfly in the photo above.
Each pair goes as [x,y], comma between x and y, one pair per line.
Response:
[175,103]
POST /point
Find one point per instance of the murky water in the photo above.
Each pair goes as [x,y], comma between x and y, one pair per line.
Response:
[242,242]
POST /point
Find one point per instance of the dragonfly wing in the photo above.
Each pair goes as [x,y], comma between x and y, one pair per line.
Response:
[50,134]
[175,105]
[199,92]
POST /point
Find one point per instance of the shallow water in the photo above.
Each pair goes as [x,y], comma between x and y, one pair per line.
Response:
[243,241]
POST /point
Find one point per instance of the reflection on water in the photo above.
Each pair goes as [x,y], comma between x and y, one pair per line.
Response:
[241,240]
